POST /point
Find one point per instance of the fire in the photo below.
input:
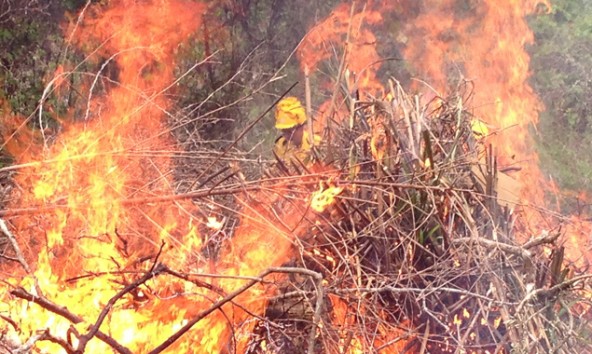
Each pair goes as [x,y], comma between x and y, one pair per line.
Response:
[98,180]
[88,172]
[489,49]
[344,318]
[103,231]
[350,26]
[444,41]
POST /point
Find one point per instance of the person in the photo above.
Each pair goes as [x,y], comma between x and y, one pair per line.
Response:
[294,143]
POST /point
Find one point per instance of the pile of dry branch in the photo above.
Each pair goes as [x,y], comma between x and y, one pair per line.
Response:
[416,253]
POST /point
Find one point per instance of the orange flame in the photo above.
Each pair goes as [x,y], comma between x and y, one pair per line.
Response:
[99,180]
[345,317]
[350,28]
[488,48]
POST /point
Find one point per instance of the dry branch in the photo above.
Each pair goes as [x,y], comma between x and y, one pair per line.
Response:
[63,312]
[417,235]
[19,254]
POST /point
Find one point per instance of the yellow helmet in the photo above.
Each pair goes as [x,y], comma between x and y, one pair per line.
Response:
[289,113]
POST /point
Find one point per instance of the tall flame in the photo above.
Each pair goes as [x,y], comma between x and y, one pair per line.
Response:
[443,42]
[99,182]
[488,48]
[349,26]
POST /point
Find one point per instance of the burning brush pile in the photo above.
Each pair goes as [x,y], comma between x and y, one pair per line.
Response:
[395,240]
[395,234]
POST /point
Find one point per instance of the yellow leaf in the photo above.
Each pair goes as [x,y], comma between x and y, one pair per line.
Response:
[479,128]
[322,199]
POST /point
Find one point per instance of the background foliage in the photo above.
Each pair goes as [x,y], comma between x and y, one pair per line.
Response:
[562,76]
